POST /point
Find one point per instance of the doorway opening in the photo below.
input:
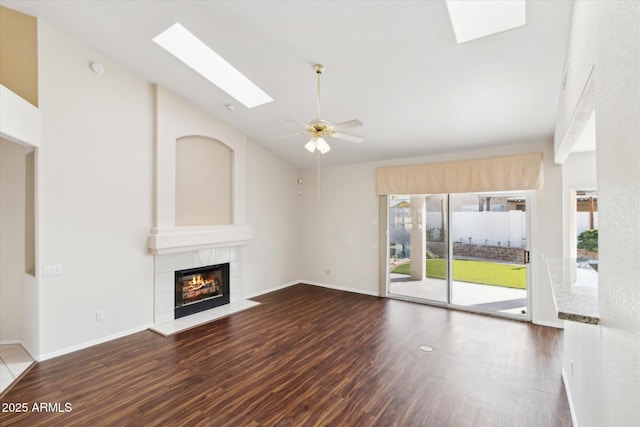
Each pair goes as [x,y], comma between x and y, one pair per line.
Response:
[464,250]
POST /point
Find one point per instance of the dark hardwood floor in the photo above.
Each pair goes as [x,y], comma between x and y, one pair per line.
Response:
[310,356]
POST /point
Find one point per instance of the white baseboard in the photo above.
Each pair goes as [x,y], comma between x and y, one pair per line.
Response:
[91,343]
[10,342]
[275,288]
[341,288]
[30,351]
[557,325]
[309,282]
[574,420]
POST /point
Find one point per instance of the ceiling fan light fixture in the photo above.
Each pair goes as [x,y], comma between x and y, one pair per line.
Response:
[322,145]
[311,145]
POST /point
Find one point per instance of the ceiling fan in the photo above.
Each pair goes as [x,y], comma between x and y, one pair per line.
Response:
[320,129]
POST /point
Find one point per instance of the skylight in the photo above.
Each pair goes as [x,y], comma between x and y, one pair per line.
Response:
[473,19]
[189,49]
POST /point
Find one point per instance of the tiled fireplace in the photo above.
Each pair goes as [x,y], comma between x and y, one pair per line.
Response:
[166,266]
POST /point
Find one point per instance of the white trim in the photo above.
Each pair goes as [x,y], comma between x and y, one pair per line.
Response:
[312,283]
[579,119]
[557,325]
[91,343]
[532,247]
[383,246]
[28,350]
[187,239]
[20,121]
[275,288]
[574,419]
[340,288]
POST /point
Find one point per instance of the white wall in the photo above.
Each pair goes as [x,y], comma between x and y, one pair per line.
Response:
[12,240]
[339,232]
[578,65]
[95,205]
[95,196]
[272,259]
[604,387]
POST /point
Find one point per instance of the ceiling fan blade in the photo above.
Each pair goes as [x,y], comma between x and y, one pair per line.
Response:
[298,122]
[347,137]
[287,136]
[346,125]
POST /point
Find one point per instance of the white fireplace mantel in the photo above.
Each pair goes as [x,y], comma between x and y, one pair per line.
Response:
[184,239]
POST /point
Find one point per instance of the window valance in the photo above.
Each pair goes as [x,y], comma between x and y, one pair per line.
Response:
[517,172]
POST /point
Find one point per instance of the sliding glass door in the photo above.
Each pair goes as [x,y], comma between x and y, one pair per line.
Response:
[464,250]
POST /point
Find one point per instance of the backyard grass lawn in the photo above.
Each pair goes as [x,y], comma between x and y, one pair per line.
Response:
[486,273]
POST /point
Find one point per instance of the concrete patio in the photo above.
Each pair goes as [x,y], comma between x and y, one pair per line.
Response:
[485,297]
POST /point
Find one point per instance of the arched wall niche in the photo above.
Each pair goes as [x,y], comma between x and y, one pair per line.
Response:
[204,181]
[173,230]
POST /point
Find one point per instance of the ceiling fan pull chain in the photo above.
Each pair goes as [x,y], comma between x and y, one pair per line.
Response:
[318,173]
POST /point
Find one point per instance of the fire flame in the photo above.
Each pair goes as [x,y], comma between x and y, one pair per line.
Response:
[198,282]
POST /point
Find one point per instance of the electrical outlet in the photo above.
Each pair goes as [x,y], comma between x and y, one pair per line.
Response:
[99,315]
[327,271]
[52,270]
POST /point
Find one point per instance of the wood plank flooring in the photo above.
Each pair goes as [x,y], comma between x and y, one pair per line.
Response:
[309,356]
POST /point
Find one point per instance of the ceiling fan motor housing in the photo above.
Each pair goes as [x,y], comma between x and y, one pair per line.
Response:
[320,128]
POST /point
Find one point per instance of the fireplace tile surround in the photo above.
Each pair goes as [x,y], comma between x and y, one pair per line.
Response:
[167,264]
[164,287]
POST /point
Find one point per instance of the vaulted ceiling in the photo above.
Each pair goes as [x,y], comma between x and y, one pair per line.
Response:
[394,65]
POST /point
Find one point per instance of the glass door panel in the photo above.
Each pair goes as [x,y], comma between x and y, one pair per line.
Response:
[418,252]
[488,233]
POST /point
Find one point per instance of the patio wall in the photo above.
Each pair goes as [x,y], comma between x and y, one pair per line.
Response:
[489,252]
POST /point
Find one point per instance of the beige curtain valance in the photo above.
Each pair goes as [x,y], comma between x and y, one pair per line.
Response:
[518,172]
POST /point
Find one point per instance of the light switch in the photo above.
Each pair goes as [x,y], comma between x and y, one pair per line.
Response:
[52,270]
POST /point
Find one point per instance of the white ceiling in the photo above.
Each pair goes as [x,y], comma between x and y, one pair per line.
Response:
[394,65]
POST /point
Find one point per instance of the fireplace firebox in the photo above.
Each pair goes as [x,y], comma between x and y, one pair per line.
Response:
[199,289]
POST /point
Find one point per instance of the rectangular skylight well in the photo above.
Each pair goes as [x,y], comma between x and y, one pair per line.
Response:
[189,49]
[473,19]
